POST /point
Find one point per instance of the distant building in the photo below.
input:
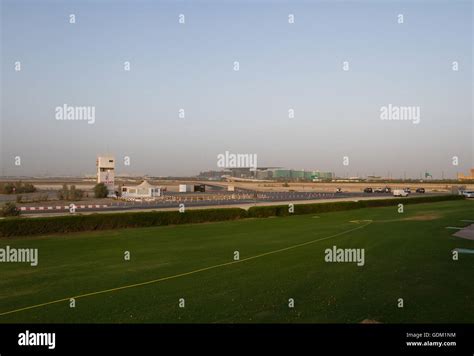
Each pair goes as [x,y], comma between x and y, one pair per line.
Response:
[242,172]
[292,174]
[267,173]
[143,190]
[297,174]
[374,178]
[264,174]
[282,174]
[213,175]
[106,173]
[463,177]
[322,175]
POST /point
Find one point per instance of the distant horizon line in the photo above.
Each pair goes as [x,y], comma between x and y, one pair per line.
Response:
[138,176]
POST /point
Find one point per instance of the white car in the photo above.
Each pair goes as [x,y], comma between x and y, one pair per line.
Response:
[468,193]
[400,193]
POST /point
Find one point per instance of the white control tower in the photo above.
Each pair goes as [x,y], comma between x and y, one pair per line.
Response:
[106,172]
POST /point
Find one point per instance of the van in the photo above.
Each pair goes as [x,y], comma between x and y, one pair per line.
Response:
[400,193]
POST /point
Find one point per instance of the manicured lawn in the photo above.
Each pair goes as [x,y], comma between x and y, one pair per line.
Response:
[406,256]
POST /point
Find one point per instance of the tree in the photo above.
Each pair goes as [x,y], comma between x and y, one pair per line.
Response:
[10,209]
[28,188]
[100,191]
[63,193]
[70,193]
[8,188]
[17,188]
[75,194]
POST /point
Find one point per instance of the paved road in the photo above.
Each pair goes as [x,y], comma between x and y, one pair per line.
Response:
[191,201]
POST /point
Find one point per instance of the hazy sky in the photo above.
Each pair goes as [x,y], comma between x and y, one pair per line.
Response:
[282,66]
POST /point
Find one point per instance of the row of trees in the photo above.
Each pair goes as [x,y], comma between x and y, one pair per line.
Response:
[66,193]
[70,193]
[17,188]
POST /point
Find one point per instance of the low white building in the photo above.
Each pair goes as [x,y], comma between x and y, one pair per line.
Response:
[186,188]
[143,190]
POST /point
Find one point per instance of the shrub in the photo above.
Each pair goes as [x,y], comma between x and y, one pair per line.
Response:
[17,188]
[100,191]
[10,209]
[75,223]
[75,194]
[8,188]
[70,193]
[26,188]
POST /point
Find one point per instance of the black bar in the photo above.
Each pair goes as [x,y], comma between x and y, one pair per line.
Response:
[316,339]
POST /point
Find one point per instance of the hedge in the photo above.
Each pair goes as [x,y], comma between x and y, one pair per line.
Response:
[283,210]
[75,223]
[93,222]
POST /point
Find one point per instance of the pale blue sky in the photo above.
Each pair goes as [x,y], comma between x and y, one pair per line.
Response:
[282,66]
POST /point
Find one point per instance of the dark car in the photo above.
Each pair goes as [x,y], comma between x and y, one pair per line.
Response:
[200,188]
[368,190]
[387,190]
[420,190]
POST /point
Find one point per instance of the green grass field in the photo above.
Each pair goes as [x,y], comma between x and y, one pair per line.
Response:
[406,256]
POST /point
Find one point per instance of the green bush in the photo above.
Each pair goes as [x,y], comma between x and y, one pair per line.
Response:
[17,188]
[70,193]
[8,188]
[10,209]
[74,223]
[100,191]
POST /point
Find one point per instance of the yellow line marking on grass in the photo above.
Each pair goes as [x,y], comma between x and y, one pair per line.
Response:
[358,221]
[183,274]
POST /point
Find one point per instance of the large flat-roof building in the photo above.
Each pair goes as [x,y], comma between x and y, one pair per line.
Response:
[292,174]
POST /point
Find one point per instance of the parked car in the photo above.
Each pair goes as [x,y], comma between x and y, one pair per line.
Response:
[420,190]
[368,190]
[378,190]
[400,193]
[338,190]
[387,190]
[408,190]
[468,193]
